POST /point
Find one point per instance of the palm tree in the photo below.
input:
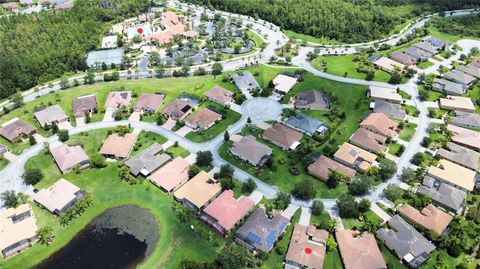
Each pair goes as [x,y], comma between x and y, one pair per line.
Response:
[45,235]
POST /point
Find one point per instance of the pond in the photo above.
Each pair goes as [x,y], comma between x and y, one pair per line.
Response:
[120,237]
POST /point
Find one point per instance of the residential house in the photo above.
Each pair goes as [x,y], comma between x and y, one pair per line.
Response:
[443,195]
[476,62]
[172,175]
[282,136]
[118,147]
[466,120]
[470,70]
[426,46]
[458,103]
[384,94]
[245,81]
[198,191]
[49,115]
[69,157]
[26,2]
[149,103]
[409,245]
[453,174]
[307,247]
[418,54]
[323,167]
[359,250]
[83,105]
[118,99]
[313,99]
[226,211]
[431,217]
[388,65]
[251,151]
[148,160]
[306,124]
[393,111]
[11,6]
[465,137]
[220,96]
[379,123]
[64,5]
[448,87]
[460,77]
[370,141]
[354,157]
[58,197]
[402,58]
[203,119]
[16,130]
[177,109]
[18,230]
[460,155]
[437,43]
[260,232]
[283,83]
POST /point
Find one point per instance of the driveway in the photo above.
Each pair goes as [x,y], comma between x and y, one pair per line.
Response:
[108,115]
[184,131]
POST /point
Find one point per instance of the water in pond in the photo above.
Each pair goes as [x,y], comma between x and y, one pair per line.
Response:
[120,237]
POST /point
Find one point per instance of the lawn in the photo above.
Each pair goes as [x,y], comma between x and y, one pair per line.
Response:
[404,95]
[408,131]
[309,38]
[424,64]
[145,139]
[333,260]
[474,94]
[411,110]
[350,224]
[436,113]
[390,258]
[434,32]
[394,149]
[177,151]
[15,148]
[3,163]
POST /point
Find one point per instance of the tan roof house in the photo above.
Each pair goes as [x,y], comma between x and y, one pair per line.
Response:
[359,250]
[15,130]
[149,102]
[354,157]
[50,115]
[459,103]
[307,247]
[203,119]
[389,65]
[84,104]
[58,197]
[380,123]
[460,155]
[251,151]
[384,94]
[370,141]
[18,230]
[284,83]
[402,58]
[219,95]
[67,157]
[118,99]
[465,137]
[323,166]
[453,174]
[118,147]
[198,191]
[431,217]
[282,136]
[177,109]
[171,175]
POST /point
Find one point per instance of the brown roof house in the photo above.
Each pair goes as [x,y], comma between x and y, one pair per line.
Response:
[177,109]
[18,230]
[149,103]
[323,166]
[198,191]
[370,141]
[282,136]
[354,157]
[171,175]
[118,99]
[359,250]
[460,155]
[67,157]
[379,123]
[465,137]
[84,104]
[431,217]
[50,115]
[15,130]
[251,151]
[307,247]
[388,65]
[118,147]
[219,95]
[203,119]
[313,99]
[58,197]
[453,174]
[402,58]
[148,160]
[457,103]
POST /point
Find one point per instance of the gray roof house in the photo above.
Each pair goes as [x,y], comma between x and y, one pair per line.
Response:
[426,46]
[245,81]
[418,54]
[460,155]
[470,69]
[306,124]
[409,245]
[84,104]
[446,86]
[50,115]
[442,194]
[459,77]
[313,99]
[148,160]
[402,58]
[260,232]
[437,43]
[251,151]
[392,110]
[467,120]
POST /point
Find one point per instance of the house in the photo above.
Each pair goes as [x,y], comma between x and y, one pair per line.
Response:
[475,62]
[431,217]
[448,87]
[426,46]
[26,2]
[118,99]
[453,174]
[388,65]
[11,6]
[16,130]
[64,5]
[203,119]
[370,141]
[437,43]
[171,175]
[177,109]
[58,197]
[443,195]
[465,137]
[313,99]
[306,124]
[409,245]
[245,81]
[118,147]
[49,115]
[307,247]
[384,94]
[417,54]
[402,58]
[282,136]
[459,103]
[470,70]
[219,95]
[359,250]
[462,156]
[149,103]
[18,230]
[68,157]
[466,120]
[251,151]
[354,157]
[83,105]
[393,111]
[460,77]
[148,160]
[260,232]
[379,123]
[323,167]
[226,211]
[198,191]
[283,83]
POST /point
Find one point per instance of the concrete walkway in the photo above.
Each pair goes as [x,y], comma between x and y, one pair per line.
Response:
[379,212]
[290,211]
[256,196]
[305,216]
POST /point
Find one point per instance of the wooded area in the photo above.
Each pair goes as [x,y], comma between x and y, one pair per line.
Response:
[468,25]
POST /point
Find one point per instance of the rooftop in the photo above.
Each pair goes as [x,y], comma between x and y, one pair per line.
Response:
[171,175]
[284,83]
[384,93]
[445,195]
[306,123]
[381,124]
[199,190]
[283,135]
[248,148]
[118,99]
[307,246]
[369,140]
[323,166]
[460,155]
[355,156]
[359,250]
[312,99]
[431,217]
[465,137]
[118,146]
[57,196]
[149,101]
[219,95]
[148,160]
[83,104]
[50,114]
[68,157]
[457,102]
[16,225]
[453,174]
[15,129]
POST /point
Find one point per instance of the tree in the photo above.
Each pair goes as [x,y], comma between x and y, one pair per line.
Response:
[234,256]
[248,186]
[347,206]
[370,75]
[54,127]
[45,235]
[408,175]
[227,183]
[217,69]
[10,199]
[282,200]
[98,161]
[331,244]
[63,135]
[334,179]
[393,192]
[226,136]
[32,176]
[31,140]
[359,186]
[304,189]
[317,208]
[387,169]
[364,205]
[226,171]
[204,158]
[64,83]
[396,78]
[193,170]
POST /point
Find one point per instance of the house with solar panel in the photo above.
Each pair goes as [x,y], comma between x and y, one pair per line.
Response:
[260,232]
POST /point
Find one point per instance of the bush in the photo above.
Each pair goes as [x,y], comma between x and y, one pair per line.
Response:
[98,161]
[204,158]
[347,206]
[282,200]
[364,205]
[304,190]
[63,135]
[32,176]
[249,186]
[317,208]
[359,186]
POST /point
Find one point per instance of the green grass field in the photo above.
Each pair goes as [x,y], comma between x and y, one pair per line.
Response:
[408,131]
[177,151]
[424,64]
[394,149]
